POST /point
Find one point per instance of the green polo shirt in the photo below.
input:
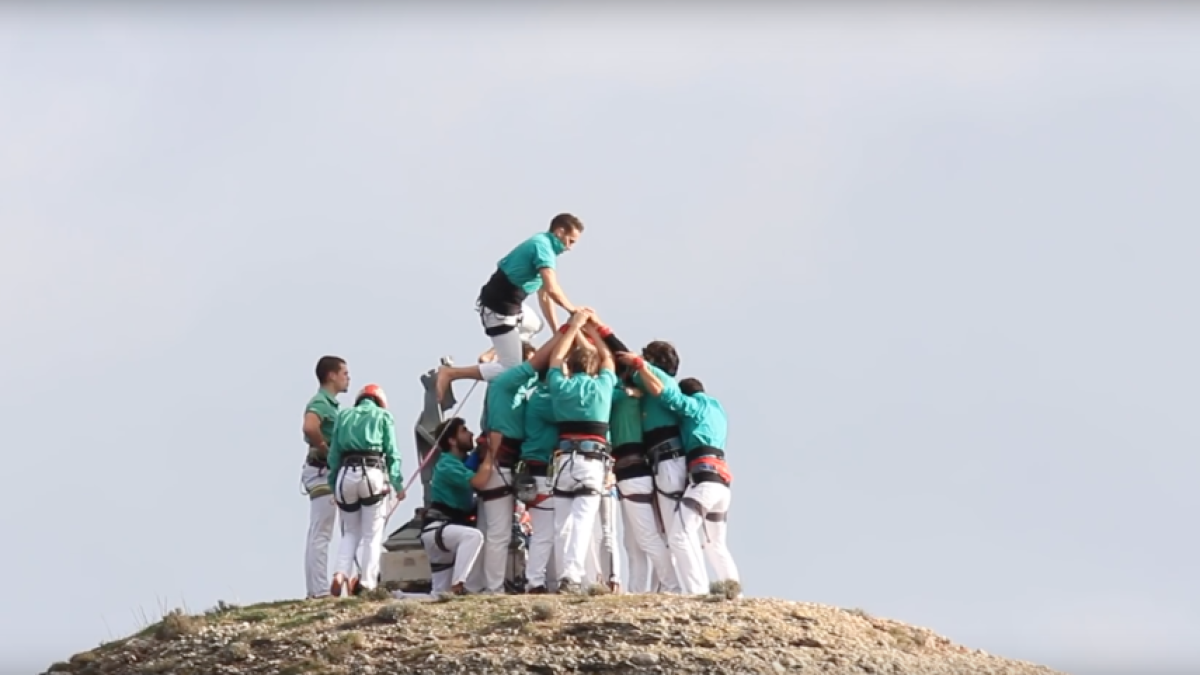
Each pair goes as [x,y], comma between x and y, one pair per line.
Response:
[655,412]
[325,406]
[523,265]
[541,431]
[451,483]
[702,419]
[581,397]
[506,397]
[366,426]
[625,423]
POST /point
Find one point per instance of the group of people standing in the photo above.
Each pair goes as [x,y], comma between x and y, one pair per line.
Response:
[564,423]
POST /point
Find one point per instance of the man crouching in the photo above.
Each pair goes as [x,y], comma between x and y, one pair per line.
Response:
[451,544]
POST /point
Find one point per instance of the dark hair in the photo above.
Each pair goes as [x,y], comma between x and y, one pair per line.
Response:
[662,355]
[527,350]
[566,221]
[328,365]
[690,386]
[447,430]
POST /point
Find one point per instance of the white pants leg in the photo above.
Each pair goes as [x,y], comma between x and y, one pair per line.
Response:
[362,534]
[322,517]
[610,561]
[705,511]
[494,520]
[541,542]
[465,544]
[651,539]
[638,522]
[508,344]
[574,517]
[591,560]
[684,550]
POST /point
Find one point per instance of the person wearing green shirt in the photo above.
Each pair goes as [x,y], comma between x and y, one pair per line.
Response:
[528,268]
[364,475]
[505,405]
[581,387]
[452,544]
[705,503]
[333,378]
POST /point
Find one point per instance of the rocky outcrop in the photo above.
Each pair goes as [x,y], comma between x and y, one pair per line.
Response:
[544,635]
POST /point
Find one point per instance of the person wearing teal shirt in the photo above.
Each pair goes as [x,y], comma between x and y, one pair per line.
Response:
[333,376]
[581,399]
[450,542]
[528,268]
[707,498]
[364,475]
[506,396]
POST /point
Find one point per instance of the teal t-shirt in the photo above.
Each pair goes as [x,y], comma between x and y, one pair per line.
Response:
[702,419]
[524,263]
[541,430]
[506,396]
[451,483]
[581,397]
[655,413]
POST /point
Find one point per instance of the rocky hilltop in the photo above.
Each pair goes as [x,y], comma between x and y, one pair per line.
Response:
[545,635]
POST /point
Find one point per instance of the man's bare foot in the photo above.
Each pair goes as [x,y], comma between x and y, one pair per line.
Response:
[443,382]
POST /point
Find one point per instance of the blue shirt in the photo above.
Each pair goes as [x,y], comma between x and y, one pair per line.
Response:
[451,484]
[506,397]
[655,412]
[524,263]
[702,418]
[581,397]
[541,430]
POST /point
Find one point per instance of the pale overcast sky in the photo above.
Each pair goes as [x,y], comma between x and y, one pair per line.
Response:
[939,266]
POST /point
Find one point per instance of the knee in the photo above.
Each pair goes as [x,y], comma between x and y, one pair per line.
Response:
[472,537]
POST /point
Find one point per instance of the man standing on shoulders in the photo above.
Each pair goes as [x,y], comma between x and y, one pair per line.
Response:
[364,472]
[334,378]
[705,503]
[528,268]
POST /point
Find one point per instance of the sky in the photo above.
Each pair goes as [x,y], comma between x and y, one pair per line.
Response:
[935,263]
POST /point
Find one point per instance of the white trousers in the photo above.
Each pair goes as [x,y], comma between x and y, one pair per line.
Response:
[322,515]
[465,544]
[684,549]
[641,525]
[541,561]
[603,566]
[574,517]
[362,528]
[494,518]
[508,345]
[704,513]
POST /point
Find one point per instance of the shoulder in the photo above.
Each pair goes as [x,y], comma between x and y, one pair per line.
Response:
[608,379]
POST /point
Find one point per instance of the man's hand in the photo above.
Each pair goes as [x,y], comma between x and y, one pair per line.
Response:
[627,358]
[581,316]
[401,494]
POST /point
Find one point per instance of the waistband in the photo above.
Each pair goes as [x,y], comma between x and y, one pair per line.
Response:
[704,451]
[536,468]
[509,452]
[665,450]
[587,428]
[709,468]
[652,437]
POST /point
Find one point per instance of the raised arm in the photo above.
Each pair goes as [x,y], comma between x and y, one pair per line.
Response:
[480,480]
[547,305]
[666,391]
[567,338]
[541,358]
[606,356]
[554,292]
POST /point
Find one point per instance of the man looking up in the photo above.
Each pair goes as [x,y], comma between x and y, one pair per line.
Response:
[706,501]
[450,542]
[581,389]
[506,396]
[333,377]
[528,268]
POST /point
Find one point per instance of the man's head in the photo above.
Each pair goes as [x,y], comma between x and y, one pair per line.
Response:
[454,436]
[333,372]
[690,385]
[583,359]
[567,228]
[372,392]
[662,355]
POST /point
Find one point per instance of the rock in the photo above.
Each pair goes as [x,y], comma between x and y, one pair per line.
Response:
[644,659]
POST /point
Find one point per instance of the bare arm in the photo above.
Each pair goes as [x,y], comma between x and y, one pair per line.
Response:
[649,380]
[547,304]
[480,480]
[565,340]
[312,432]
[541,358]
[555,292]
[606,356]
